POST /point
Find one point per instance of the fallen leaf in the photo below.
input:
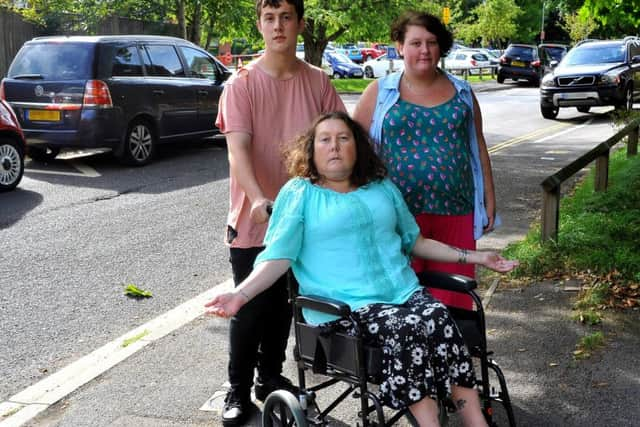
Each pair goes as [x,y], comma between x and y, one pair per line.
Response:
[132,290]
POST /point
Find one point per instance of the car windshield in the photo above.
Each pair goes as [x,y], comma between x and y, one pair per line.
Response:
[525,53]
[339,57]
[595,54]
[53,61]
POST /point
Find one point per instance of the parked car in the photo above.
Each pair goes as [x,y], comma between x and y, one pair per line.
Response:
[12,148]
[466,59]
[520,61]
[381,66]
[371,53]
[342,67]
[351,51]
[128,93]
[550,55]
[493,58]
[594,73]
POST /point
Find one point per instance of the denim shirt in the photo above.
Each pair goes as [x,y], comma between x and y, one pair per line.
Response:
[388,95]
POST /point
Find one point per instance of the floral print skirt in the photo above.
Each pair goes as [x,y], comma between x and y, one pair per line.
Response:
[424,353]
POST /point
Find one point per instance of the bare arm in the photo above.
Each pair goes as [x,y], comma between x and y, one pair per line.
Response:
[262,277]
[438,251]
[363,113]
[485,162]
[241,168]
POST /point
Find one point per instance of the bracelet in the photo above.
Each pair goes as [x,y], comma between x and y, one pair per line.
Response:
[462,256]
[241,292]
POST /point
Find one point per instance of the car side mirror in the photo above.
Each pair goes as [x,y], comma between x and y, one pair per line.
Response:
[553,63]
[635,59]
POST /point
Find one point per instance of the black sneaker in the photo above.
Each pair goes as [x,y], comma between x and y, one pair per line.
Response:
[236,408]
[263,387]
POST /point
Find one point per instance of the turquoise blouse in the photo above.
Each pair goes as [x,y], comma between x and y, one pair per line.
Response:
[353,247]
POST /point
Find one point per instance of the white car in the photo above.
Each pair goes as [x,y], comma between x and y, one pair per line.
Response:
[379,66]
[466,59]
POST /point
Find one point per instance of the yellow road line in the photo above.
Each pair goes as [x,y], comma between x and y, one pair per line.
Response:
[525,137]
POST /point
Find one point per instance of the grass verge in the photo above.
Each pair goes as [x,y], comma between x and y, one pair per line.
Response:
[597,244]
[358,85]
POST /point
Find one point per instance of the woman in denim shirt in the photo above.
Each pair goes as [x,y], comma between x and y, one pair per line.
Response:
[427,127]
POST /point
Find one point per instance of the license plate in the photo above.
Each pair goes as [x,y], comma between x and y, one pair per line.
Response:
[44,115]
[517,63]
[357,73]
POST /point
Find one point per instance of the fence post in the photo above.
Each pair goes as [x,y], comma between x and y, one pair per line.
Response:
[550,213]
[632,142]
[602,172]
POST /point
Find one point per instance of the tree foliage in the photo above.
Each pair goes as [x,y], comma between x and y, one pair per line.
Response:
[353,20]
[617,18]
[206,21]
[492,22]
[579,26]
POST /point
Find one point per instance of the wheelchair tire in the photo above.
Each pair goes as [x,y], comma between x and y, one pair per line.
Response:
[283,409]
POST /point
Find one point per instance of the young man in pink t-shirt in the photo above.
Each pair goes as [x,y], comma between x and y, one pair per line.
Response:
[264,106]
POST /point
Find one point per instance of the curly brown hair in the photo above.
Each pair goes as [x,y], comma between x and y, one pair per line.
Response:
[299,155]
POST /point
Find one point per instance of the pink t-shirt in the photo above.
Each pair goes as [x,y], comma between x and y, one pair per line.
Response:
[272,111]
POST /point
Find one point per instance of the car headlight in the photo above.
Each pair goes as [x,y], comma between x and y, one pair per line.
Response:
[548,81]
[610,79]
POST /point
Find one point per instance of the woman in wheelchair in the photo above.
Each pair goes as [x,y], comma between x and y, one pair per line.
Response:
[346,232]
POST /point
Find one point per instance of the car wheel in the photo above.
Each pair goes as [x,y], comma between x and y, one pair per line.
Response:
[11,164]
[368,72]
[584,108]
[549,112]
[43,154]
[139,143]
[627,104]
[337,75]
[500,78]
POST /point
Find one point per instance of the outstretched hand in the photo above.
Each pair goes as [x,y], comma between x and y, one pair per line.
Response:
[225,305]
[496,262]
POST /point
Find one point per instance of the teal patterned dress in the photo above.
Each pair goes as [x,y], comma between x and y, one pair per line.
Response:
[427,154]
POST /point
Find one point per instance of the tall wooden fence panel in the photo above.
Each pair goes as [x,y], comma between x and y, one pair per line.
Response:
[14,31]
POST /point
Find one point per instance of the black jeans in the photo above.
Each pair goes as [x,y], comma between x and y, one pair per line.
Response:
[259,331]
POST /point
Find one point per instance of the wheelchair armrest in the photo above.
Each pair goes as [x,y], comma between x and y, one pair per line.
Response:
[324,305]
[447,281]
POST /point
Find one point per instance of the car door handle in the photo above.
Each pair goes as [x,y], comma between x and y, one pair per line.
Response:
[158,92]
[203,92]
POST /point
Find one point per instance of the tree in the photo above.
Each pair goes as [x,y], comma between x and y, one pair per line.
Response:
[579,26]
[353,20]
[617,18]
[493,21]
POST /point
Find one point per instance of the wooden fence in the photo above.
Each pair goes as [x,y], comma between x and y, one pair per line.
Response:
[551,185]
[14,31]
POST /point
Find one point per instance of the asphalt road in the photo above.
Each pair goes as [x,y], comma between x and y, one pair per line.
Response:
[79,229]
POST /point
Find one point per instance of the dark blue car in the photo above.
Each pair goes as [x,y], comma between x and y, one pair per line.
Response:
[342,67]
[128,93]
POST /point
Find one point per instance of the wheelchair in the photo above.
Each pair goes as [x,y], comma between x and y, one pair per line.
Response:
[347,359]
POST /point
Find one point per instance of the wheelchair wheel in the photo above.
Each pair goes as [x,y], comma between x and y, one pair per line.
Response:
[283,409]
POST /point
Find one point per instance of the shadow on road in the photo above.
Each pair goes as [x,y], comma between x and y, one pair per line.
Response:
[15,204]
